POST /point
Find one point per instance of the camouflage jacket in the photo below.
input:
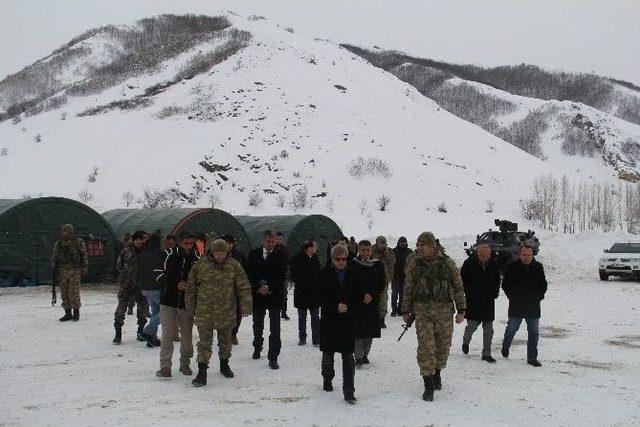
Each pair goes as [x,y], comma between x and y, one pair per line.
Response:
[434,282]
[213,290]
[70,254]
[388,259]
[127,266]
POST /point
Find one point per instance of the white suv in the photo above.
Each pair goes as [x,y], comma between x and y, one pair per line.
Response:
[622,260]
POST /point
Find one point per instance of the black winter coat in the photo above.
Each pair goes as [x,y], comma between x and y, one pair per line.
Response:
[305,274]
[337,331]
[150,263]
[271,272]
[525,286]
[368,278]
[177,266]
[398,271]
[481,288]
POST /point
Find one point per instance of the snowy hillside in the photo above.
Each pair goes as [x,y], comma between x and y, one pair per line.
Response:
[579,123]
[284,124]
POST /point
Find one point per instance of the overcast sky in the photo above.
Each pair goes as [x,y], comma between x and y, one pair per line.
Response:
[600,36]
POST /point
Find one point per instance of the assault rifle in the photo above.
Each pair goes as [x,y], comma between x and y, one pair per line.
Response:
[406,326]
[54,297]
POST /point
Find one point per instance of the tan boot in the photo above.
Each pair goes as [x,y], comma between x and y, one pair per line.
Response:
[164,373]
[185,369]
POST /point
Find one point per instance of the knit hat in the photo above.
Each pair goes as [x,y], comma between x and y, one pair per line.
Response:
[219,245]
[427,238]
[381,240]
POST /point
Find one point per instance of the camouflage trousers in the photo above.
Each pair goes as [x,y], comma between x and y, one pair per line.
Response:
[124,296]
[384,301]
[206,342]
[68,280]
[434,328]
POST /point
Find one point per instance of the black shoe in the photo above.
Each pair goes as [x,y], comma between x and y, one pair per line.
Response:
[359,363]
[534,363]
[394,314]
[350,398]
[326,385]
[285,317]
[256,354]
[382,324]
[152,341]
[118,338]
[273,364]
[437,380]
[225,370]
[465,348]
[489,359]
[428,388]
[76,314]
[141,336]
[67,316]
[302,341]
[365,360]
[505,352]
[201,377]
[130,311]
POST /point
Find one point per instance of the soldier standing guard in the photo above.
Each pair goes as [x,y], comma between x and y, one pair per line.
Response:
[215,281]
[70,263]
[432,285]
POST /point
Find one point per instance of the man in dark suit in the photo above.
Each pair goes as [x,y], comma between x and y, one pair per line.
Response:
[267,268]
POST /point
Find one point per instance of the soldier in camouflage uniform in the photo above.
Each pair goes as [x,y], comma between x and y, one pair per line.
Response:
[215,281]
[127,273]
[69,262]
[432,285]
[385,254]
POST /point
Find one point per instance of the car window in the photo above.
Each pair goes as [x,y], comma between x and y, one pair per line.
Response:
[625,248]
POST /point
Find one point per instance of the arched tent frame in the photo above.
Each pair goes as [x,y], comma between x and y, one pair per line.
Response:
[30,227]
[295,228]
[196,221]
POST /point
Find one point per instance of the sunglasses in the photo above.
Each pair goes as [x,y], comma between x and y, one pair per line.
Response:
[340,259]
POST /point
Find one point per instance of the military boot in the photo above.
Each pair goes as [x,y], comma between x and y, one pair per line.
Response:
[201,378]
[428,388]
[185,369]
[437,381]
[326,384]
[225,370]
[76,314]
[118,338]
[67,316]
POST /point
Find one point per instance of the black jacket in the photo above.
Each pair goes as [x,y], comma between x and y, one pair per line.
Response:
[368,278]
[239,256]
[305,273]
[481,288]
[398,271]
[150,262]
[525,286]
[177,266]
[337,331]
[271,272]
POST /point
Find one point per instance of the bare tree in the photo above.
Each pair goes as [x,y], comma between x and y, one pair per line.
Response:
[383,202]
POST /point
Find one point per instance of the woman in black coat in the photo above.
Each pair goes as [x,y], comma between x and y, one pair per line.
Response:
[338,299]
[305,273]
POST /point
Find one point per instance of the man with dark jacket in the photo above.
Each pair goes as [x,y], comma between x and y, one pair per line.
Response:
[369,281]
[338,298]
[267,269]
[481,279]
[177,266]
[524,284]
[150,262]
[305,272]
[127,267]
[401,252]
[238,256]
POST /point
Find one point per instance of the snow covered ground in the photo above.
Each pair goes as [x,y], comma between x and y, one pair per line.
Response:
[54,374]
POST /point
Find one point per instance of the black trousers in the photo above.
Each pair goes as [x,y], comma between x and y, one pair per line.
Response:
[396,300]
[274,330]
[348,370]
[238,318]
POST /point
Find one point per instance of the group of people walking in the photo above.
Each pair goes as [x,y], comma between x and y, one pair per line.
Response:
[211,285]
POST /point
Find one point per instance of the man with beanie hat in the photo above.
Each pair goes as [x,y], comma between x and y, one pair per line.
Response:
[401,252]
[215,281]
[432,286]
[382,252]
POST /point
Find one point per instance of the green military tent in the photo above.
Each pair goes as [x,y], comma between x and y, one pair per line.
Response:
[30,227]
[196,221]
[295,229]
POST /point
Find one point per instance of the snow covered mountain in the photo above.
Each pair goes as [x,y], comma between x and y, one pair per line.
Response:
[253,118]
